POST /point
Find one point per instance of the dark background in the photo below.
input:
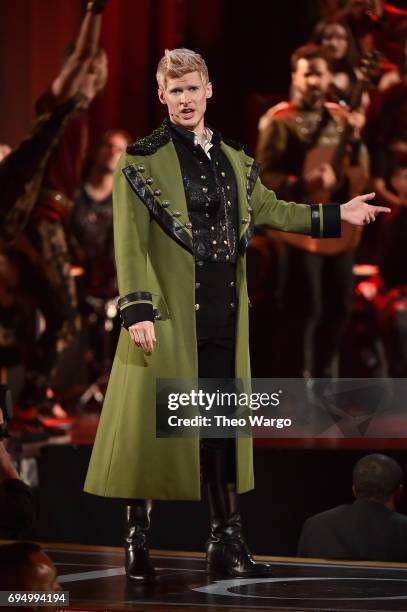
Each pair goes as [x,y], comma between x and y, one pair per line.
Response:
[291,485]
[247,47]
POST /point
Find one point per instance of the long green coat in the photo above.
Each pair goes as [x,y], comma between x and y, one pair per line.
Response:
[154,255]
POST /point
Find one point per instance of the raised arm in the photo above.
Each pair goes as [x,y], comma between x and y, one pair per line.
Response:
[79,62]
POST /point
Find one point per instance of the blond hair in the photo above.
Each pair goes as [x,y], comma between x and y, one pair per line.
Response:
[178,62]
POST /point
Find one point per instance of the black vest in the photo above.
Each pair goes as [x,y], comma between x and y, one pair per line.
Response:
[211,195]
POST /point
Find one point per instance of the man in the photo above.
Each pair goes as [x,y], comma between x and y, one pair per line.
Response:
[299,145]
[184,202]
[25,567]
[370,529]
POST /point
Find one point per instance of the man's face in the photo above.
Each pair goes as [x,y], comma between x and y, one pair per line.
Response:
[109,152]
[335,41]
[311,80]
[186,98]
[399,183]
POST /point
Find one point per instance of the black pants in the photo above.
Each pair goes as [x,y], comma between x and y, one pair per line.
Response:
[316,298]
[216,359]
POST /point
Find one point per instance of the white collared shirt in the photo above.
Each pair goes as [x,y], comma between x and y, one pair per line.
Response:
[207,144]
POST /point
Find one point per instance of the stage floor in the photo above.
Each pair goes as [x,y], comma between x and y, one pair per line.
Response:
[95,579]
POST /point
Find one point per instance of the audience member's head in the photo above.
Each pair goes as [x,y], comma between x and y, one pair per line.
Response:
[379,478]
[25,567]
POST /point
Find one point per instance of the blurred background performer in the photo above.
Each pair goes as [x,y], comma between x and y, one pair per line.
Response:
[343,58]
[44,244]
[90,237]
[91,224]
[304,148]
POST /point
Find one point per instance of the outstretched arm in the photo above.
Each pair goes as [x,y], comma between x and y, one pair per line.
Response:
[316,220]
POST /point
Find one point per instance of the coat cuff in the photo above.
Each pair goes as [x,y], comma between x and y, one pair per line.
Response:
[136,307]
[325,220]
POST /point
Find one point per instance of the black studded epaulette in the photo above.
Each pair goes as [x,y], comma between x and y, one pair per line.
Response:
[232,143]
[150,144]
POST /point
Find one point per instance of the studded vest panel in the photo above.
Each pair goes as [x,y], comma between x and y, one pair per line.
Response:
[211,194]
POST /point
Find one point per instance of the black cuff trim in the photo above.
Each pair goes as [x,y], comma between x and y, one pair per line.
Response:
[135,313]
[137,296]
[332,221]
[315,221]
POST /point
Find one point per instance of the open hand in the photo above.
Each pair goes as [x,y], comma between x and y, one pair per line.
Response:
[358,212]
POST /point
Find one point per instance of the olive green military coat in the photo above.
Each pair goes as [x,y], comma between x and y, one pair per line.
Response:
[155,264]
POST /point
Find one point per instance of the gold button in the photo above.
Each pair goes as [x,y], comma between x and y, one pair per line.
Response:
[196,306]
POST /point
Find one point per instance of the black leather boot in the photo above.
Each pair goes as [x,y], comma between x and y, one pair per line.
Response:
[226,551]
[138,564]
